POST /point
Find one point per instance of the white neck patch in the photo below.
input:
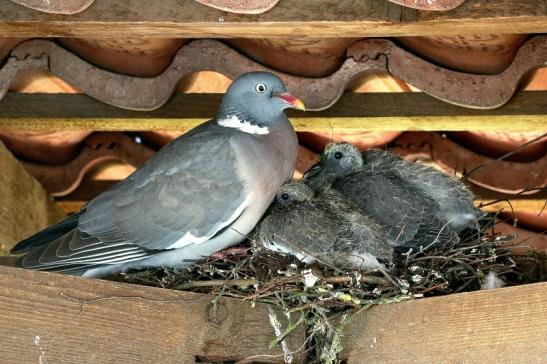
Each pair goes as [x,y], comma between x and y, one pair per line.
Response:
[232,121]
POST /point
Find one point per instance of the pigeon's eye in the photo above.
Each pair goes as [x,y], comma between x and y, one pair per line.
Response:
[260,87]
[338,155]
[285,196]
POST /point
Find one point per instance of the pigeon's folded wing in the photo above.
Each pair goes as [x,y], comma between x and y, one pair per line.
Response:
[188,193]
[186,196]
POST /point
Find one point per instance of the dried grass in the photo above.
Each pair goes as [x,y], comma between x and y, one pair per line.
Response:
[324,298]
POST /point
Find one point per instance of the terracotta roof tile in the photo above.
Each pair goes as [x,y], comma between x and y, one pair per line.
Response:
[234,6]
[362,58]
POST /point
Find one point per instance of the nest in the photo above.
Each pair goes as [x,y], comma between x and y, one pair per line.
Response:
[324,298]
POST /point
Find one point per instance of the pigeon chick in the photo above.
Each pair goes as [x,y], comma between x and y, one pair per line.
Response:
[201,193]
[407,215]
[453,201]
[326,229]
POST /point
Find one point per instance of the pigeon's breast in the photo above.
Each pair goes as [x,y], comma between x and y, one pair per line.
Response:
[263,164]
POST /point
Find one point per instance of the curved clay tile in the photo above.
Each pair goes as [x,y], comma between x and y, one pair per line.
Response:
[146,57]
[305,160]
[536,220]
[39,81]
[537,80]
[464,89]
[495,175]
[496,144]
[261,6]
[434,5]
[53,147]
[485,54]
[60,180]
[7,44]
[241,6]
[369,56]
[363,140]
[56,6]
[301,57]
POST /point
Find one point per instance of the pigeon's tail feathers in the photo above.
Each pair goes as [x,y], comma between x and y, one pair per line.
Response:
[76,252]
[47,235]
[75,270]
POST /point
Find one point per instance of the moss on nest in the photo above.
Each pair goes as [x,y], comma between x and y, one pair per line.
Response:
[324,298]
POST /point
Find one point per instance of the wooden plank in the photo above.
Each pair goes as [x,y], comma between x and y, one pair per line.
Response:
[44,320]
[25,206]
[527,111]
[304,19]
[507,325]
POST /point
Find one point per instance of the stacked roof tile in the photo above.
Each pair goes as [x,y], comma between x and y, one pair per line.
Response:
[479,71]
[233,6]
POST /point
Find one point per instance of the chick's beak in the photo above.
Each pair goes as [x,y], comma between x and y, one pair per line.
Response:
[315,169]
[291,100]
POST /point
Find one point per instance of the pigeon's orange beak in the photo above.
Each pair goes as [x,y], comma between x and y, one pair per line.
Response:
[292,101]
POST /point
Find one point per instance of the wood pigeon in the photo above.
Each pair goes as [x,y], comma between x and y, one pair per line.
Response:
[409,216]
[201,193]
[325,228]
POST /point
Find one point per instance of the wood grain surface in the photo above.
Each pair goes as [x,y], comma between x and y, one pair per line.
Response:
[506,325]
[46,320]
[25,207]
[303,19]
[527,111]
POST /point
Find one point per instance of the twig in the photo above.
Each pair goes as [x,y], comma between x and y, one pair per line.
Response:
[217,282]
[507,155]
[363,279]
[290,328]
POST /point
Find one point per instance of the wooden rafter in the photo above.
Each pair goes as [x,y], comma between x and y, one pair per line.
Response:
[368,111]
[303,18]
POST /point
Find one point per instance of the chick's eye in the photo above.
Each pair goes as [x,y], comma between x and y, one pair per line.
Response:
[260,87]
[338,155]
[285,196]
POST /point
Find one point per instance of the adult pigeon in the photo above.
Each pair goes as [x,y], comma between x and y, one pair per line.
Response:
[452,199]
[203,192]
[325,228]
[407,215]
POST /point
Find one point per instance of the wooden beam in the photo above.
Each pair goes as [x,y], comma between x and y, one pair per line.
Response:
[54,318]
[527,111]
[25,206]
[506,325]
[304,19]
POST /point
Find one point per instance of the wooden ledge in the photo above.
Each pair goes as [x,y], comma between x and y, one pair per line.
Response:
[68,319]
[527,111]
[46,319]
[303,18]
[505,325]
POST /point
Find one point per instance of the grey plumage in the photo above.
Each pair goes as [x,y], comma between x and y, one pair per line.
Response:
[408,216]
[452,199]
[201,193]
[325,228]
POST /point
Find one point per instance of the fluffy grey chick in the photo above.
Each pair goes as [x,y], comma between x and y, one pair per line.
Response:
[326,229]
[453,201]
[408,216]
